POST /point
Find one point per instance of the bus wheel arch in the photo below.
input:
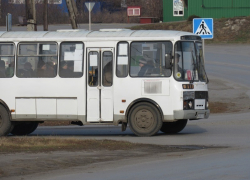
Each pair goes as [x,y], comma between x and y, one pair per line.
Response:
[5,119]
[144,117]
[173,127]
[24,128]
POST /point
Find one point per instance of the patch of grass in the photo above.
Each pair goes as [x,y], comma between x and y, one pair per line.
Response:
[37,144]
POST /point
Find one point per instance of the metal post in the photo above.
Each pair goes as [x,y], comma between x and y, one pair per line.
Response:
[203,48]
[8,22]
[89,18]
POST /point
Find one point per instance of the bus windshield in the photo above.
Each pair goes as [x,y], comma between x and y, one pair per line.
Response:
[189,62]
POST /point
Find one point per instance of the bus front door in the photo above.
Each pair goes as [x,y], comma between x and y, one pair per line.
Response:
[100,85]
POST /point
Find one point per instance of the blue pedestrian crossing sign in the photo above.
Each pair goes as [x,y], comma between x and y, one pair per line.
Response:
[203,27]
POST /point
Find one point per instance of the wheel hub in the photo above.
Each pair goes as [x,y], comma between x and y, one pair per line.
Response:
[144,119]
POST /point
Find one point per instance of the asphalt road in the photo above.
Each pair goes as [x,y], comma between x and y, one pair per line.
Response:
[227,135]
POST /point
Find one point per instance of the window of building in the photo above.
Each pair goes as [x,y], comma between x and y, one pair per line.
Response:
[71,60]
[178,8]
[147,59]
[7,60]
[37,60]
[122,59]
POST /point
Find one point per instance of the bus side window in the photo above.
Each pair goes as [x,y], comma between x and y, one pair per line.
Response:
[37,60]
[71,60]
[147,59]
[7,63]
[122,59]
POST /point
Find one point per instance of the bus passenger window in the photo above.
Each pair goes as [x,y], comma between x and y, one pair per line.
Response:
[71,60]
[122,59]
[93,64]
[107,64]
[37,60]
[7,63]
[147,59]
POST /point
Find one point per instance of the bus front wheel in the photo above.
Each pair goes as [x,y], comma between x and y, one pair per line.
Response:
[5,123]
[24,128]
[144,119]
[173,127]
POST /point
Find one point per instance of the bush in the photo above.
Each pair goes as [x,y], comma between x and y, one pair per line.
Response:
[190,18]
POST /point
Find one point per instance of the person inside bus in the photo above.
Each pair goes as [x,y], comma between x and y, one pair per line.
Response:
[107,74]
[2,69]
[41,69]
[27,71]
[50,71]
[63,69]
[145,67]
[10,70]
[70,69]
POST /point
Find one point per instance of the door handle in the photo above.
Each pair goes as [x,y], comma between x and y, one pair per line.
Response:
[99,87]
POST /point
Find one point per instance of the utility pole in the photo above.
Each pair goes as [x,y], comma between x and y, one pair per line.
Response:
[45,15]
[72,13]
[31,15]
[0,8]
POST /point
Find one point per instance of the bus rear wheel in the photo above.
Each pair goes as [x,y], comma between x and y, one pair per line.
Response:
[144,119]
[173,127]
[5,123]
[24,128]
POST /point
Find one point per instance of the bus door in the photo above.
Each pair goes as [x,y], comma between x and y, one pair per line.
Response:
[100,84]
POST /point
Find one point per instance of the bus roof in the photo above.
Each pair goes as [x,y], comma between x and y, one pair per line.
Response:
[102,33]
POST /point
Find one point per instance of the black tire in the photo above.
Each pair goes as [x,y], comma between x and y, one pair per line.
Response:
[144,119]
[5,123]
[24,128]
[173,127]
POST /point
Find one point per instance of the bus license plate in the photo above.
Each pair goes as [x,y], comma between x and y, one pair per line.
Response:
[200,116]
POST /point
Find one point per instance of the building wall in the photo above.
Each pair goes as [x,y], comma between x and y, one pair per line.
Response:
[219,8]
[208,9]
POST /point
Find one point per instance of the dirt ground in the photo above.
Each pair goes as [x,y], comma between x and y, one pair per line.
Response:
[225,97]
[16,165]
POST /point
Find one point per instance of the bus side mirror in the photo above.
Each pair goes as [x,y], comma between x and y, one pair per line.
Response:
[168,61]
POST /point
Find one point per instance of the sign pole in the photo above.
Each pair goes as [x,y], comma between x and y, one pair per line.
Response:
[90,6]
[89,18]
[203,48]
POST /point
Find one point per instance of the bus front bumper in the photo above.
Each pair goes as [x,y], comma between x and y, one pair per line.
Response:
[191,114]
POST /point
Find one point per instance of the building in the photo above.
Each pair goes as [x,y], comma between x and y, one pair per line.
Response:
[179,10]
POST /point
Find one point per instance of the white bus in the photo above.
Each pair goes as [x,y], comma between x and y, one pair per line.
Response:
[152,80]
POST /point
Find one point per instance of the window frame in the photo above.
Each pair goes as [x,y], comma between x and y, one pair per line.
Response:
[116,62]
[59,57]
[37,54]
[149,76]
[13,55]
[182,61]
[112,69]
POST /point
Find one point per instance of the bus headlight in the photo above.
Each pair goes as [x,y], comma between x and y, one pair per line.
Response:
[188,104]
[207,104]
